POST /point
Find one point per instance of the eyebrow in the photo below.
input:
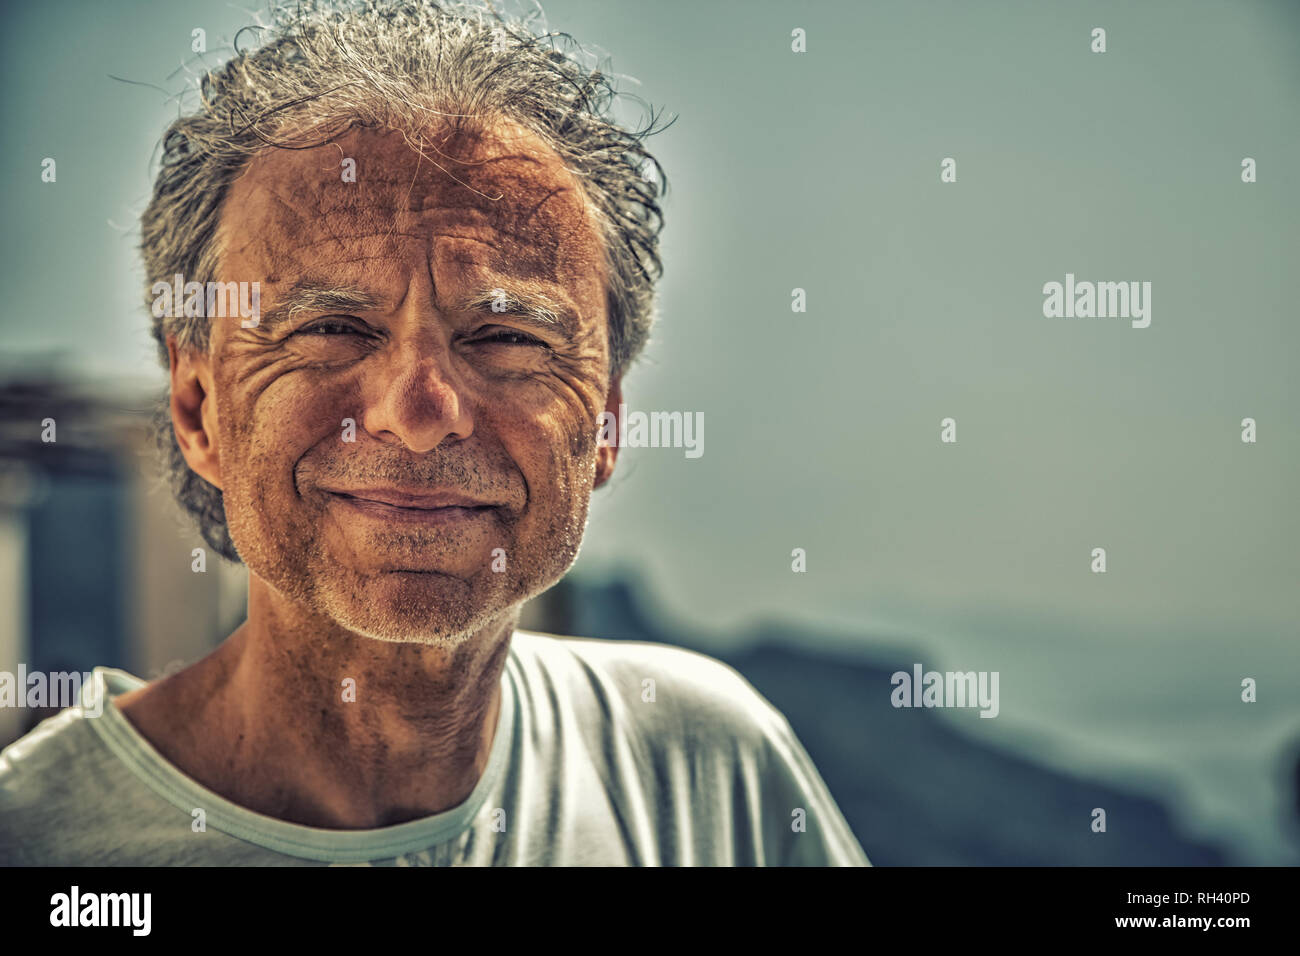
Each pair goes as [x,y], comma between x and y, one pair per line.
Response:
[527,306]
[312,296]
[524,305]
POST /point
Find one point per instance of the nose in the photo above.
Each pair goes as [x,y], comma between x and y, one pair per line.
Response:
[421,401]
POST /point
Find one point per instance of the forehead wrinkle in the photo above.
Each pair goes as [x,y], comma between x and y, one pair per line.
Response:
[392,189]
[537,207]
[374,199]
[358,237]
[489,160]
[542,228]
[272,193]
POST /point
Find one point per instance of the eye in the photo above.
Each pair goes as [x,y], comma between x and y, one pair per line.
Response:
[513,337]
[328,327]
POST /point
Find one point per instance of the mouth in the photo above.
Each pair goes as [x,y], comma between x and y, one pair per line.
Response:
[425,513]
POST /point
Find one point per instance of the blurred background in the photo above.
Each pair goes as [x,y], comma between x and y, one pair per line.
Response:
[820,171]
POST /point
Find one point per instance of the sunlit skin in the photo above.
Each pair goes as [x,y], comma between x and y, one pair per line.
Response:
[476,402]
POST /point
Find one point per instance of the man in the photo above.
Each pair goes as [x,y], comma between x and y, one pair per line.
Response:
[454,253]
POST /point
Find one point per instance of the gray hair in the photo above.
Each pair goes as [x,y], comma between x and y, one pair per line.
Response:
[326,67]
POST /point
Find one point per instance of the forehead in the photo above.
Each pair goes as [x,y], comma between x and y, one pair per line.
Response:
[469,203]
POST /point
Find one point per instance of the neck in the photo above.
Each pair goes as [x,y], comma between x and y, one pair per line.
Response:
[299,719]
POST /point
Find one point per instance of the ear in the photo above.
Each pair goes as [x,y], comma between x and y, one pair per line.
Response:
[194,411]
[606,455]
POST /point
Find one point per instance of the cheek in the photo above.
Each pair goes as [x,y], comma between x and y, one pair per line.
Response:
[554,445]
[557,469]
[266,434]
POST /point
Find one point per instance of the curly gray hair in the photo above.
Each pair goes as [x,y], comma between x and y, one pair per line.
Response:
[327,66]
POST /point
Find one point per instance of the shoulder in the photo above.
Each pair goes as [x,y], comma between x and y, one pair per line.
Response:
[37,777]
[707,739]
[56,775]
[44,750]
[657,688]
[47,750]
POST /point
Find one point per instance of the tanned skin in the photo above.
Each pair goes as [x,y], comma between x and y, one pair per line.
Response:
[405,600]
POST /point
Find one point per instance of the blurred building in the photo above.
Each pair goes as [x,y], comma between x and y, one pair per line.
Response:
[95,556]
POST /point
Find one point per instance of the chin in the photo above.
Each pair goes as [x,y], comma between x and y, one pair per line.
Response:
[431,630]
[409,607]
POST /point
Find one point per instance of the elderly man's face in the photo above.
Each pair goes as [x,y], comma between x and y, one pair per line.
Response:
[448,397]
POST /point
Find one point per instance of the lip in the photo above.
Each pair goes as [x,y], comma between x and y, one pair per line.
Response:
[405,508]
[416,500]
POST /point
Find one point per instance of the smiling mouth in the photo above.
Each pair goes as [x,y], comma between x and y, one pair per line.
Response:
[419,514]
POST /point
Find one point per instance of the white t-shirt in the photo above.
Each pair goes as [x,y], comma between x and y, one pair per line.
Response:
[584,771]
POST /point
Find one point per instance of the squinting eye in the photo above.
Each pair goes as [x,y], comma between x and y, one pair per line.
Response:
[513,338]
[320,328]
